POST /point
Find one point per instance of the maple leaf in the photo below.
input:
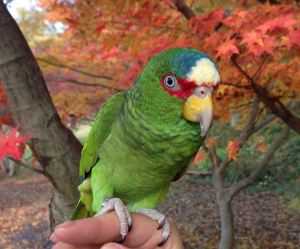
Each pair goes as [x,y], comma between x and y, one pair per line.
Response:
[261,147]
[72,21]
[226,117]
[22,147]
[5,119]
[292,39]
[253,37]
[227,48]
[211,142]
[200,156]
[9,144]
[33,161]
[232,148]
[213,39]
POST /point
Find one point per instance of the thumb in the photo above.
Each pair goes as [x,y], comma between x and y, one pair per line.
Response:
[114,246]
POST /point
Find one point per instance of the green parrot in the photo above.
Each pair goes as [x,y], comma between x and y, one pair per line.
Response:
[145,137]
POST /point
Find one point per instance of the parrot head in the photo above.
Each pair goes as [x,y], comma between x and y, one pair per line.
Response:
[190,78]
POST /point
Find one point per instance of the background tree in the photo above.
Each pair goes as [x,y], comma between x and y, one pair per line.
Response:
[55,146]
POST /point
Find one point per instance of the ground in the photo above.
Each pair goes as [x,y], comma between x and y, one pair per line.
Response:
[262,220]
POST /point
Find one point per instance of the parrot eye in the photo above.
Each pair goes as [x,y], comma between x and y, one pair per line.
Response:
[171,82]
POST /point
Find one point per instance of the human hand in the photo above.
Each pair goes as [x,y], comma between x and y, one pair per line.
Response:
[97,232]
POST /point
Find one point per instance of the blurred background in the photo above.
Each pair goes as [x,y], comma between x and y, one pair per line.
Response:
[89,50]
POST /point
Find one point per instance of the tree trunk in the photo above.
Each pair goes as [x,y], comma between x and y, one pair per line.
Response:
[55,146]
[282,112]
[224,202]
[227,227]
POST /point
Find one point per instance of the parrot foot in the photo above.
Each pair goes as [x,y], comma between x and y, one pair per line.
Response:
[115,204]
[161,219]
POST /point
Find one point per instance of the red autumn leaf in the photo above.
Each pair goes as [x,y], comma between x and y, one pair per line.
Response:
[227,48]
[114,11]
[213,39]
[5,119]
[99,28]
[211,142]
[232,149]
[261,147]
[292,39]
[22,147]
[253,38]
[71,21]
[225,117]
[33,161]
[199,157]
[9,144]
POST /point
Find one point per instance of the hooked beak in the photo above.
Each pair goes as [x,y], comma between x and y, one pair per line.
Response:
[198,108]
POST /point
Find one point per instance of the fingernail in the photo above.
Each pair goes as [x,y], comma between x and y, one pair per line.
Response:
[51,236]
[111,246]
[65,224]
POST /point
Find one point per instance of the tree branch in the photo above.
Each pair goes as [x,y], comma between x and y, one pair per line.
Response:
[74,69]
[64,80]
[260,67]
[25,165]
[216,160]
[230,84]
[199,173]
[273,103]
[243,137]
[248,181]
[184,9]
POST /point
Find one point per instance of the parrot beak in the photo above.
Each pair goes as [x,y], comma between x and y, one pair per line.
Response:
[198,108]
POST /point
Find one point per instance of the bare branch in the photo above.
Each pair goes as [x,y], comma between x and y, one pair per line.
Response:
[25,165]
[244,136]
[263,123]
[230,84]
[74,69]
[67,80]
[184,9]
[248,181]
[216,160]
[208,152]
[242,71]
[260,67]
[199,173]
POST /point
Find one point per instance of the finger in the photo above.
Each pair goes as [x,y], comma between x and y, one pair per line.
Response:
[67,246]
[96,230]
[114,246]
[58,245]
[144,234]
[53,238]
[106,228]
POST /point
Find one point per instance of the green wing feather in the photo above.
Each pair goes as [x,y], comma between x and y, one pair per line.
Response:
[89,156]
[100,132]
[182,171]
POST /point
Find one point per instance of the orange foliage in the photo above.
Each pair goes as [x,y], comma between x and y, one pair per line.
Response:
[117,40]
[232,148]
[108,43]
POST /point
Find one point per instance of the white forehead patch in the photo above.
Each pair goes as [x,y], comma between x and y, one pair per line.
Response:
[204,73]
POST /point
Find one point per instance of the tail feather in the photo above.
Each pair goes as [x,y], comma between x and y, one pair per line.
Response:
[80,212]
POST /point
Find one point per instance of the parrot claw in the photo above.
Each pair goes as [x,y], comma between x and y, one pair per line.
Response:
[116,204]
[162,221]
[164,241]
[122,240]
[161,224]
[129,226]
